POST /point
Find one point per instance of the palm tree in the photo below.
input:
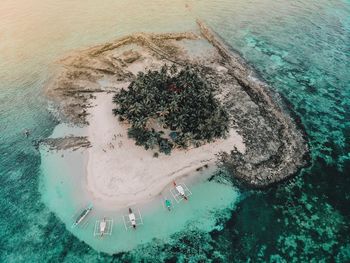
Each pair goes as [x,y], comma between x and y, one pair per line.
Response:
[178,99]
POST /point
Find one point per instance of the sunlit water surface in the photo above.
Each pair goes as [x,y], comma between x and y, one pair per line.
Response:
[300,47]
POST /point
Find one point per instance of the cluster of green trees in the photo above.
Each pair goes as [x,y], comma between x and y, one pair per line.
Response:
[179,101]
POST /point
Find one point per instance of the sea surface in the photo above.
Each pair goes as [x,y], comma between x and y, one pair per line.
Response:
[302,48]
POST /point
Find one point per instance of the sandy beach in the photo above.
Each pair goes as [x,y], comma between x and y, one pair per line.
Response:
[121,173]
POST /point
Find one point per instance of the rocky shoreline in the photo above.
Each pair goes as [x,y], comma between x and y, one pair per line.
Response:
[290,153]
[275,147]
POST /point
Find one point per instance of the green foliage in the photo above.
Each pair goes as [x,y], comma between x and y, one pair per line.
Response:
[179,101]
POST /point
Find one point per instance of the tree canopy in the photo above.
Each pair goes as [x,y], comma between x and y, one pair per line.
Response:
[171,108]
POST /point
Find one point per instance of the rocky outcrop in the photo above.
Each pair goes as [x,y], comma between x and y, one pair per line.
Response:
[276,148]
[69,142]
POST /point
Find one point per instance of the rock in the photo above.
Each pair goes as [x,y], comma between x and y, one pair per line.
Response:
[69,142]
[130,56]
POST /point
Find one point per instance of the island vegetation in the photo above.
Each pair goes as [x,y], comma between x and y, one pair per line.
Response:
[171,108]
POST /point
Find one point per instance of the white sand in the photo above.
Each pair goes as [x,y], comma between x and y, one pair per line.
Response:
[123,174]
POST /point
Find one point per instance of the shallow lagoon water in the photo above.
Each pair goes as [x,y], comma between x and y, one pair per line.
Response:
[63,189]
[300,47]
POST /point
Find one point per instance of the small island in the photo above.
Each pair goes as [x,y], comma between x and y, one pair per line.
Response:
[157,107]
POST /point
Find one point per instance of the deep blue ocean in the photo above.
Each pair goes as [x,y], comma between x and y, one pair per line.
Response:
[301,48]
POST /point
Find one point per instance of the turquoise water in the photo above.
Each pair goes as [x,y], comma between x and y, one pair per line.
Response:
[300,47]
[63,189]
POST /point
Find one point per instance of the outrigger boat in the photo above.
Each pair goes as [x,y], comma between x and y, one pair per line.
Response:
[83,215]
[168,204]
[180,190]
[132,218]
[103,225]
